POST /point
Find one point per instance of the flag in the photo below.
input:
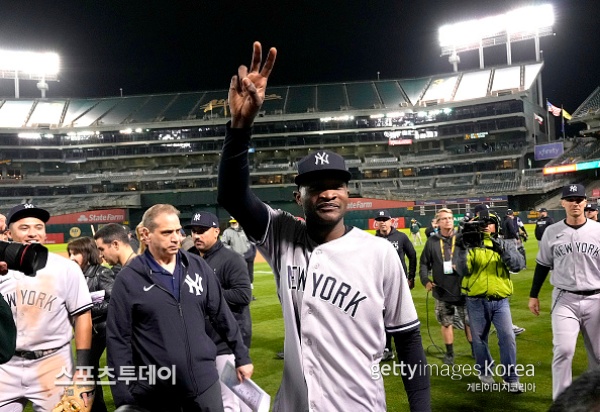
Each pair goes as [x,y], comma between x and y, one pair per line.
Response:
[566,114]
[556,111]
[208,107]
[538,118]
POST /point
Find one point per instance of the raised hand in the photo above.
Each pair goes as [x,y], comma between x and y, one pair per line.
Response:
[247,89]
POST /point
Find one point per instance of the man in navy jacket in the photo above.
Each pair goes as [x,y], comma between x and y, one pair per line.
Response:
[156,324]
[232,272]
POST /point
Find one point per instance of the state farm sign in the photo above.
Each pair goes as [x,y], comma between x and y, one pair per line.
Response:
[90,217]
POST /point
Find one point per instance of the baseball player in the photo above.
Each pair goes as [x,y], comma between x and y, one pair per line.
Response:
[571,249]
[542,223]
[340,288]
[415,231]
[591,212]
[43,307]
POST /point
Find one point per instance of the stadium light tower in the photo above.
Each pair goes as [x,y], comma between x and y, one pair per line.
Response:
[20,65]
[531,22]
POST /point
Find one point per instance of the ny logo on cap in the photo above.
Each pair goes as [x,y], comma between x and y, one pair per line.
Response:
[573,188]
[321,158]
[28,206]
[197,216]
[381,213]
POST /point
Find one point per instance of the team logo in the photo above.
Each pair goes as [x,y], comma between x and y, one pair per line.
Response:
[197,216]
[381,213]
[28,206]
[573,188]
[195,285]
[321,158]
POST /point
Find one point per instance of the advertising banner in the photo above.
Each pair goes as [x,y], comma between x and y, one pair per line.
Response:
[93,217]
[548,151]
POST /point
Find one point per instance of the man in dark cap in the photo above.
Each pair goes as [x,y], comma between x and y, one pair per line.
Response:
[232,273]
[46,305]
[404,247]
[333,280]
[591,212]
[542,223]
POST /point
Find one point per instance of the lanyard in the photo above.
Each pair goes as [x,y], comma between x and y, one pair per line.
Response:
[451,249]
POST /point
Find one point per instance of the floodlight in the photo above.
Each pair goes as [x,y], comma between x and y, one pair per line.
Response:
[19,65]
[531,22]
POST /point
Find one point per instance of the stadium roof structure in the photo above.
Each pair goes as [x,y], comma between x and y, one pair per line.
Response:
[589,112]
[63,115]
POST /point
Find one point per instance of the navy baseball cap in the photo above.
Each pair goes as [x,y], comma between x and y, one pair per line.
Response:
[542,209]
[509,212]
[591,208]
[322,164]
[480,208]
[383,215]
[203,219]
[26,210]
[574,190]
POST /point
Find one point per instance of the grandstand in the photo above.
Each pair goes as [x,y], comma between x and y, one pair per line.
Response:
[468,133]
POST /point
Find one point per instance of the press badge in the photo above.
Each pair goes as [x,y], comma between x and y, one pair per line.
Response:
[448,270]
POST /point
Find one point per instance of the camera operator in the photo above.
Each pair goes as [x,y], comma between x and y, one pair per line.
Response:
[485,262]
[45,302]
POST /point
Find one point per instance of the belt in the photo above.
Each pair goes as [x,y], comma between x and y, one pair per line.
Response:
[490,298]
[35,354]
[584,292]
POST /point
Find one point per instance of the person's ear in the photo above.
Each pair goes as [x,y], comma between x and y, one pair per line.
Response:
[297,197]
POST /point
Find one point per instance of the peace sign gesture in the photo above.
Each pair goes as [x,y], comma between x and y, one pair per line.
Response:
[247,89]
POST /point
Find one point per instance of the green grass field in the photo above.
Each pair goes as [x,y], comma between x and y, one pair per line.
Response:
[534,347]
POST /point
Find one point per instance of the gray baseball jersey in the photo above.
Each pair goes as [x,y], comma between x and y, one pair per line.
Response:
[42,307]
[338,300]
[572,254]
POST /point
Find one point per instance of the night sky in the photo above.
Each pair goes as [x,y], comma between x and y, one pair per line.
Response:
[153,46]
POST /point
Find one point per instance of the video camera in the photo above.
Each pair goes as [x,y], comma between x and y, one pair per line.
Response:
[472,233]
[24,257]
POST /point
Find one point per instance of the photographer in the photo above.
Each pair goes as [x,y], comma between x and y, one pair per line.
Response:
[436,259]
[485,263]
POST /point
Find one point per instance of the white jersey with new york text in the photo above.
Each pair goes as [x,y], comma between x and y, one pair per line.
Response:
[338,300]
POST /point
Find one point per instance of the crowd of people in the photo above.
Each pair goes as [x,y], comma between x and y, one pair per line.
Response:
[171,317]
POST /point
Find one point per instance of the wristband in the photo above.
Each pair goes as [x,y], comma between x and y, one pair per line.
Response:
[84,357]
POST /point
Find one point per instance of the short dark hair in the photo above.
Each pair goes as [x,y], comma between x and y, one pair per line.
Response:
[112,232]
[582,396]
[87,247]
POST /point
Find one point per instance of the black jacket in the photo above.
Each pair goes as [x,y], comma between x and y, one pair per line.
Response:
[8,332]
[447,286]
[509,228]
[232,272]
[541,224]
[403,246]
[147,325]
[100,278]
